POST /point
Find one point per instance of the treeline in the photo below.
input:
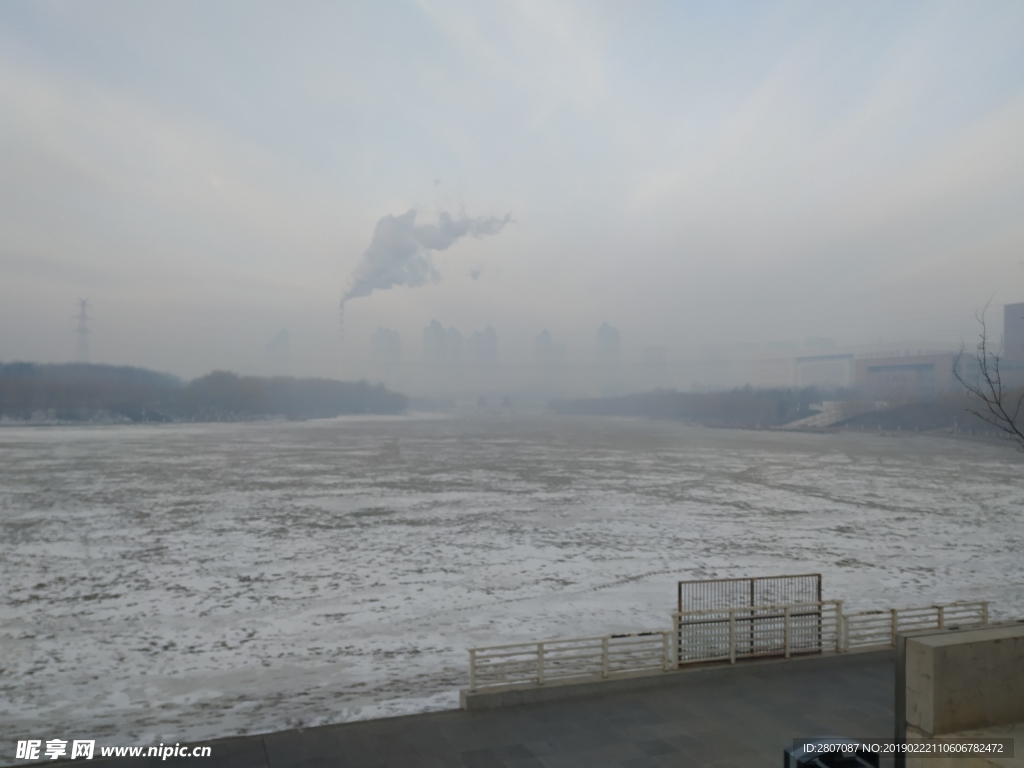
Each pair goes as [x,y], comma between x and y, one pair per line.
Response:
[748,407]
[83,392]
[951,412]
[745,407]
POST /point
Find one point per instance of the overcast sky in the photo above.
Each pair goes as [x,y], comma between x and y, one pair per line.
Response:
[210,173]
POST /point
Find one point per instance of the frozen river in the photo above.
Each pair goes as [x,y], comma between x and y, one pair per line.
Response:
[179,582]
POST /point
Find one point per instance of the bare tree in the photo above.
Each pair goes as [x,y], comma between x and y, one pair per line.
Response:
[997,404]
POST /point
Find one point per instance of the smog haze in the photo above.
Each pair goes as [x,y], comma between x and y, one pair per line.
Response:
[506,181]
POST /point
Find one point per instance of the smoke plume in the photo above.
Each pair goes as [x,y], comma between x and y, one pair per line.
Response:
[400,251]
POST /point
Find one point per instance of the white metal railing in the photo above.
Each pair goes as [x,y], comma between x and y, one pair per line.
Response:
[868,629]
[577,658]
[728,634]
[717,635]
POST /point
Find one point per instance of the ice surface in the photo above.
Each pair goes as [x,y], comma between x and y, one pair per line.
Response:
[180,582]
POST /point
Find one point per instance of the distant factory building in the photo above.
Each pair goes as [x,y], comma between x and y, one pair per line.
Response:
[906,377]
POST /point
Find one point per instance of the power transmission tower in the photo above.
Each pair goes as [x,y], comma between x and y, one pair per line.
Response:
[82,347]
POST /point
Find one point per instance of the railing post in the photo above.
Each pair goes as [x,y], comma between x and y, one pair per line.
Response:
[604,656]
[540,663]
[472,670]
[666,653]
[840,626]
[677,640]
[732,635]
[894,618]
[984,611]
[785,629]
[673,644]
[942,615]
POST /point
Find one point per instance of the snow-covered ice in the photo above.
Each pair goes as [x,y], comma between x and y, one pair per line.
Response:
[179,582]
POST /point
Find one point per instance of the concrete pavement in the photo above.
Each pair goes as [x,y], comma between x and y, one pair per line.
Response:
[724,716]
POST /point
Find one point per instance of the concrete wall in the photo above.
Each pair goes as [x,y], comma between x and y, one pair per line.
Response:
[968,679]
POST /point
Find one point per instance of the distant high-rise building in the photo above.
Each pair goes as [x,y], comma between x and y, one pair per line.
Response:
[453,343]
[442,344]
[485,344]
[1013,332]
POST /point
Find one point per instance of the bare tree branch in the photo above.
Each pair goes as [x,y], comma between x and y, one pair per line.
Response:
[996,407]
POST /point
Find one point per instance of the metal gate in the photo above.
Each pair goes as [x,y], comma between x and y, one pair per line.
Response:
[748,617]
[715,594]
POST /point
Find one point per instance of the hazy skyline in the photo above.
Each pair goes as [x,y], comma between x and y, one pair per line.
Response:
[208,174]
